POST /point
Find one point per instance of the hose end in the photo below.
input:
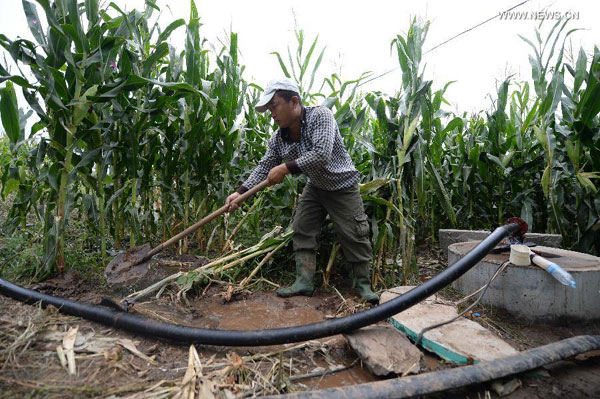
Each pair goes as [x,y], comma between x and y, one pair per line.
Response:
[520,230]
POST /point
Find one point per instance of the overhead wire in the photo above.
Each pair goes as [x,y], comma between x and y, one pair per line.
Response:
[476,26]
[450,39]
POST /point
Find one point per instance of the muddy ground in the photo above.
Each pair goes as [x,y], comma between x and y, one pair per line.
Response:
[115,364]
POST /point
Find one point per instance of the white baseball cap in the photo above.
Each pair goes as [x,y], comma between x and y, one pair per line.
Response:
[272,87]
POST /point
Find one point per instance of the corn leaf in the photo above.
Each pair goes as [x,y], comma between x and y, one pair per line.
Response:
[443,196]
[33,20]
[282,64]
[169,29]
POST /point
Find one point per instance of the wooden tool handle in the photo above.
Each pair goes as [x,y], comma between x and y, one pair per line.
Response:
[215,214]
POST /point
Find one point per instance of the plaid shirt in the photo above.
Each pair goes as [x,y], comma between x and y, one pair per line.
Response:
[319,154]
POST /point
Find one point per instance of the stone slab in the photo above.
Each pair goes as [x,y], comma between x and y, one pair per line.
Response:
[385,350]
[462,341]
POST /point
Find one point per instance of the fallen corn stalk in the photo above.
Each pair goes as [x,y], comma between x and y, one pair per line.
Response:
[229,242]
[270,243]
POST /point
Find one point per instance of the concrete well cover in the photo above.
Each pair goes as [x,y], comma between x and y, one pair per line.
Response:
[529,291]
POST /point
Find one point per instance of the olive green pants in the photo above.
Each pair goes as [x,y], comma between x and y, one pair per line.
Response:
[345,208]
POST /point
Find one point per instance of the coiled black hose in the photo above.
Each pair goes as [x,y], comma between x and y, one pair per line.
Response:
[275,336]
[443,380]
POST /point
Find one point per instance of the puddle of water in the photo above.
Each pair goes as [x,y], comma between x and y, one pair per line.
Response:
[255,312]
[353,376]
[359,375]
[255,315]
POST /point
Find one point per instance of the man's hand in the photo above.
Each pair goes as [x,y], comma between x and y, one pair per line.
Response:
[232,206]
[277,174]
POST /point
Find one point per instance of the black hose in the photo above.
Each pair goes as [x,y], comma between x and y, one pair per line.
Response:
[273,336]
[439,381]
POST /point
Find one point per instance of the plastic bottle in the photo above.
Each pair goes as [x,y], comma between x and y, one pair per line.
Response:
[563,276]
[560,274]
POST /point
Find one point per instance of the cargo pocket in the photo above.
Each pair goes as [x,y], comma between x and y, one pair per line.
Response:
[362,225]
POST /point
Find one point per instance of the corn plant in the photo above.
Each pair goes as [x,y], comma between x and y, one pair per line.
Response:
[567,142]
[580,198]
[525,158]
[77,72]
[299,65]
[398,151]
[15,176]
[140,138]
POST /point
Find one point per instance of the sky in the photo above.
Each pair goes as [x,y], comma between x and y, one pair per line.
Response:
[357,37]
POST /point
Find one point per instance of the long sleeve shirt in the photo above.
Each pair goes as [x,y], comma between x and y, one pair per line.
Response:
[319,154]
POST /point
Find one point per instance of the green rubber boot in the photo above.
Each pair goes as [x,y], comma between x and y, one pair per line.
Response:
[362,282]
[306,264]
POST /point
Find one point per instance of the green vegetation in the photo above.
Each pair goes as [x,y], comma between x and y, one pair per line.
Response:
[137,140]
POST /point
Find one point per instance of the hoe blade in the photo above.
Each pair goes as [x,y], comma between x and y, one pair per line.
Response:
[126,265]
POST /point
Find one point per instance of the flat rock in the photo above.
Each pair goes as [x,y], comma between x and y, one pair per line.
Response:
[385,350]
[462,341]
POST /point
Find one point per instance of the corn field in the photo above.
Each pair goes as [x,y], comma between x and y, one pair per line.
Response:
[141,139]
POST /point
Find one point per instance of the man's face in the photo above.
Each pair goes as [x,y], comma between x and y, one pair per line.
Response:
[283,112]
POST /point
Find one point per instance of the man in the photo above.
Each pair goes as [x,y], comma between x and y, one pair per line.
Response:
[309,141]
